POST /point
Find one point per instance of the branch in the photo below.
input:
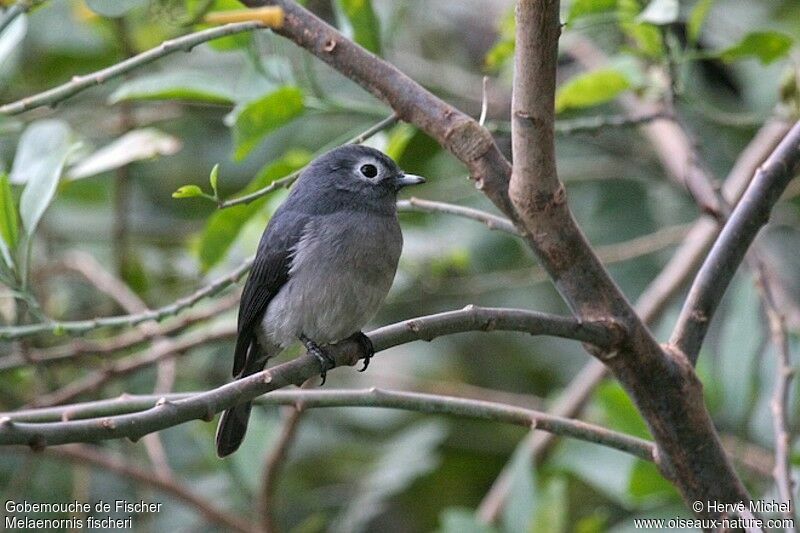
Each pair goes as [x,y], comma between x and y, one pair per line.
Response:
[662,384]
[161,351]
[80,83]
[571,400]
[80,348]
[275,460]
[491,221]
[207,403]
[107,462]
[17,9]
[649,306]
[674,149]
[750,214]
[782,392]
[676,414]
[79,327]
[428,327]
[454,130]
[592,124]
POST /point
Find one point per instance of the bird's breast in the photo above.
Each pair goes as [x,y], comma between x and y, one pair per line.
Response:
[342,269]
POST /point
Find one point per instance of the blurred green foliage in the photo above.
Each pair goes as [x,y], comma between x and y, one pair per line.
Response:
[255,108]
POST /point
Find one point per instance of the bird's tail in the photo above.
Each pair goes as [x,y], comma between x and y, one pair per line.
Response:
[233,422]
[232,427]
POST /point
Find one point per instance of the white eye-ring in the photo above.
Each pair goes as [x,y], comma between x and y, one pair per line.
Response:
[369,170]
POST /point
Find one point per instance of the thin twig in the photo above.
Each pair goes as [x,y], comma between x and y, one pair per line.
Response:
[491,221]
[84,454]
[595,124]
[79,327]
[286,181]
[17,9]
[649,305]
[152,408]
[276,459]
[674,149]
[130,302]
[77,349]
[784,372]
[750,214]
[79,83]
[161,351]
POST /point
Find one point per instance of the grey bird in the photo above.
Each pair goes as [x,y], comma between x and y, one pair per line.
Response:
[323,267]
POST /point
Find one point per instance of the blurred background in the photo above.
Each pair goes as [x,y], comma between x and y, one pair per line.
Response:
[113,240]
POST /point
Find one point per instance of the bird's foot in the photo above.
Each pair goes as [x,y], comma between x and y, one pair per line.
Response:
[326,362]
[366,346]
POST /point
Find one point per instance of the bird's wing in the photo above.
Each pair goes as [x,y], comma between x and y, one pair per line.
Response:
[270,271]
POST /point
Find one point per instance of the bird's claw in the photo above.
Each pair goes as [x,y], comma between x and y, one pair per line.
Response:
[326,362]
[366,346]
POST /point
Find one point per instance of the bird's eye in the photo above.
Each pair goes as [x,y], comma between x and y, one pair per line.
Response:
[369,171]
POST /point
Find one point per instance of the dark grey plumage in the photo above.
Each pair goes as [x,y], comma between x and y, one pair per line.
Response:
[323,267]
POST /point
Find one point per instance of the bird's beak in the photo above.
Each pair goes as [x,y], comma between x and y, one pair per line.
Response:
[404,180]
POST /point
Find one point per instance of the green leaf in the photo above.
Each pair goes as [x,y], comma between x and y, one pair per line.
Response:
[358,21]
[408,456]
[499,54]
[697,17]
[254,120]
[184,86]
[224,225]
[398,140]
[188,191]
[9,223]
[41,153]
[213,179]
[647,483]
[114,8]
[462,520]
[552,507]
[136,145]
[503,50]
[647,37]
[767,46]
[606,469]
[590,89]
[519,510]
[582,8]
[660,12]
[620,412]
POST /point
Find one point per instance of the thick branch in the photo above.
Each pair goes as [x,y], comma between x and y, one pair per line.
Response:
[662,384]
[750,214]
[297,371]
[208,403]
[451,128]
[650,303]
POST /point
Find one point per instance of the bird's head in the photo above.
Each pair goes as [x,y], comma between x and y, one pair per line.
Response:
[354,177]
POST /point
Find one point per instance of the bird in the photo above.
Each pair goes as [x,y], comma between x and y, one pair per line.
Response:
[323,267]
